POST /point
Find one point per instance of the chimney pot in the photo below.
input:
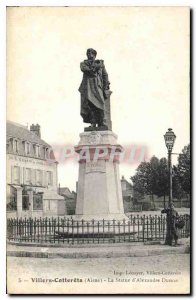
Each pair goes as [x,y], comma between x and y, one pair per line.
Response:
[36,129]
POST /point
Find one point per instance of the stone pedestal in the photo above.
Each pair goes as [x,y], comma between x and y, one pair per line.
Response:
[99,194]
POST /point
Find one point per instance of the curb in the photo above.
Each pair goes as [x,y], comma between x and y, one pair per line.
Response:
[97,253]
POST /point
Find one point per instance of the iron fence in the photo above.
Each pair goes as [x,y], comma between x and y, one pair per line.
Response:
[63,230]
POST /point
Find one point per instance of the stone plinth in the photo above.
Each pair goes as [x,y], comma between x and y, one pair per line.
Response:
[99,194]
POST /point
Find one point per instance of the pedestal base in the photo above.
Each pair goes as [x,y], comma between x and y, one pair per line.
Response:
[105,217]
[99,194]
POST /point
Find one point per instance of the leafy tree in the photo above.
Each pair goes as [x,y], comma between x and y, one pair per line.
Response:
[152,178]
[140,178]
[146,180]
[182,170]
[140,181]
[177,190]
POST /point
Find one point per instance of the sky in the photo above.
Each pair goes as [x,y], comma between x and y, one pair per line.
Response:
[146,54]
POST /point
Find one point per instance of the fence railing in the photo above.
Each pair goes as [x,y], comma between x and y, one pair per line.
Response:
[63,230]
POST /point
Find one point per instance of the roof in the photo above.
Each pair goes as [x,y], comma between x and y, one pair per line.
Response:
[65,191]
[22,132]
[52,195]
[127,182]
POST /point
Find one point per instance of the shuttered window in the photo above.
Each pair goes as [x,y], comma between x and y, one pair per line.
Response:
[15,174]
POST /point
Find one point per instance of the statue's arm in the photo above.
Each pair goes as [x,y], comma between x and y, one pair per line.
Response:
[106,83]
[86,69]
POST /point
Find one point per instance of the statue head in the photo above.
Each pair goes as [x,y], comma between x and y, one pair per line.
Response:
[91,53]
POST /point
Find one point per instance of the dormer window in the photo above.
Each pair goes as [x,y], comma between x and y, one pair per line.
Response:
[15,145]
[26,146]
[11,144]
[37,150]
[7,146]
[46,153]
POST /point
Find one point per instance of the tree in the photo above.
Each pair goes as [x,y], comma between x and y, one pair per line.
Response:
[140,179]
[163,179]
[182,170]
[152,178]
[177,191]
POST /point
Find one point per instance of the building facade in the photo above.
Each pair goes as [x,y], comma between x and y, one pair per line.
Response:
[31,174]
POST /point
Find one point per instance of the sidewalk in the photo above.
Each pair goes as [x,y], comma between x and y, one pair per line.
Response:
[97,251]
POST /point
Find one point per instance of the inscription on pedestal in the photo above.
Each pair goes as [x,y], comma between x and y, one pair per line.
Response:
[98,166]
[94,138]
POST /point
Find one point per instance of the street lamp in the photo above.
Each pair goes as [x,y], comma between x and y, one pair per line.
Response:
[169,142]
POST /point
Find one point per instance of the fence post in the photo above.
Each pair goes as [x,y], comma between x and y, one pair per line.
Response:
[93,228]
[138,228]
[53,228]
[63,228]
[155,220]
[114,227]
[151,227]
[72,230]
[143,227]
[103,230]
[45,229]
[159,220]
[124,230]
[133,220]
[77,233]
[38,230]
[109,236]
[41,231]
[82,231]
[129,230]
[98,231]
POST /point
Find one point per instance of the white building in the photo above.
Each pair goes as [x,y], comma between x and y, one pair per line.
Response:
[31,174]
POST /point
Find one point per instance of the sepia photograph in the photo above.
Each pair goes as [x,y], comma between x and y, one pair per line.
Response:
[98,156]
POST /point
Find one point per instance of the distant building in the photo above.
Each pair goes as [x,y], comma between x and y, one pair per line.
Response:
[31,174]
[127,193]
[70,200]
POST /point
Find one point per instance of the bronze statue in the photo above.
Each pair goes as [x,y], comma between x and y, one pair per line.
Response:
[95,93]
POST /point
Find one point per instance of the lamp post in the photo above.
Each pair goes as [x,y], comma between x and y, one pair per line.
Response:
[169,142]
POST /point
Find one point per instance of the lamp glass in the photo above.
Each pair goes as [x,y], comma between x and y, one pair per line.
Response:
[169,139]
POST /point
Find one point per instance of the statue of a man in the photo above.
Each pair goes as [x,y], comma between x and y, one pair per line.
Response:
[94,90]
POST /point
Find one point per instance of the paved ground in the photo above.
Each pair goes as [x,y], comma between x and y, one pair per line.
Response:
[99,275]
[96,251]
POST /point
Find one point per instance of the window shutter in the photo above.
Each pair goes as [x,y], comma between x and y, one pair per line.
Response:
[19,175]
[51,174]
[44,178]
[24,179]
[12,174]
[33,176]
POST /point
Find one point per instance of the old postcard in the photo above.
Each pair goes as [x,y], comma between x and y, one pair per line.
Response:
[98,150]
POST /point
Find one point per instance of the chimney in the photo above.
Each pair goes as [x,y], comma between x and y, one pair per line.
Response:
[36,129]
